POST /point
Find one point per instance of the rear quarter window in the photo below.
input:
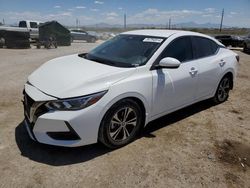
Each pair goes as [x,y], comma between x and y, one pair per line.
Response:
[204,47]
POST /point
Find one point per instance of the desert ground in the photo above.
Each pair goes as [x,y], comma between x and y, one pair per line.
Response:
[200,146]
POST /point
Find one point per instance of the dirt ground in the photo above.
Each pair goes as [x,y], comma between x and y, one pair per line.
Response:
[199,146]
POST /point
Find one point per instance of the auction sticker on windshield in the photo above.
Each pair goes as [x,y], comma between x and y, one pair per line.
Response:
[156,40]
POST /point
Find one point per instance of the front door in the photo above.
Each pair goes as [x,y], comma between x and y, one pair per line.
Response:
[174,88]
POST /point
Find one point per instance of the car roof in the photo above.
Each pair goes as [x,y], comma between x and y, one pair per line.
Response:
[167,33]
[161,32]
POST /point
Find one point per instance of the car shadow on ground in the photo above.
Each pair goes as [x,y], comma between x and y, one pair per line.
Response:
[59,156]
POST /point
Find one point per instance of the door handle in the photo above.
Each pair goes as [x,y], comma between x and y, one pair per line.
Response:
[193,71]
[222,62]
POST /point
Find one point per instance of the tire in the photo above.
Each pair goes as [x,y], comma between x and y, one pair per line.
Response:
[2,42]
[223,89]
[245,48]
[121,124]
[92,40]
[19,44]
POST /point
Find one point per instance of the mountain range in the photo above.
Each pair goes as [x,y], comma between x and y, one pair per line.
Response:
[178,25]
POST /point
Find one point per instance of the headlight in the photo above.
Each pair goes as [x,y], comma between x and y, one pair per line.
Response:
[75,103]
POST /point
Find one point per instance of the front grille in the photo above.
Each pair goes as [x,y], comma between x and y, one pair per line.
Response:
[33,109]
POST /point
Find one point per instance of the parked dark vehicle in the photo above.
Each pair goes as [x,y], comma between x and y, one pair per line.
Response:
[53,34]
[82,35]
[246,44]
[16,39]
[230,40]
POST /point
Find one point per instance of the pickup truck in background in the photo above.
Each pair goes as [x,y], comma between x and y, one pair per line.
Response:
[20,36]
[32,26]
[24,26]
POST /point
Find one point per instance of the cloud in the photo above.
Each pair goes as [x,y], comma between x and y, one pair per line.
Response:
[207,15]
[120,8]
[233,13]
[156,16]
[65,14]
[210,10]
[110,18]
[112,14]
[15,17]
[80,7]
[149,16]
[94,9]
[57,6]
[99,2]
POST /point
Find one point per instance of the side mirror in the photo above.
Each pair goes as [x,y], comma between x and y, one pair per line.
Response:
[169,62]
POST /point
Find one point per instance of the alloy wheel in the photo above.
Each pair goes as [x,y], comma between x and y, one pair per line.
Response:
[123,124]
[223,90]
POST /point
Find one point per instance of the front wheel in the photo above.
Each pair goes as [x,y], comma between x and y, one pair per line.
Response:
[245,48]
[223,89]
[121,124]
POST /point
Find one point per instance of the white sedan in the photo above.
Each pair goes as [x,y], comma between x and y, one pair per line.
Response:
[112,92]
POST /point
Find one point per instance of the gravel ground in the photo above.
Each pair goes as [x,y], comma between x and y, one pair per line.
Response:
[199,146]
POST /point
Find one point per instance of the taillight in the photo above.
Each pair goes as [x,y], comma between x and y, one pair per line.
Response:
[238,58]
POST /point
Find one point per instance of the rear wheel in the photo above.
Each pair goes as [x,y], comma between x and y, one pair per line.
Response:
[223,89]
[92,40]
[121,124]
[245,48]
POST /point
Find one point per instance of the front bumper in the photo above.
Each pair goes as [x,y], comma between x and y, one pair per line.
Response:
[61,128]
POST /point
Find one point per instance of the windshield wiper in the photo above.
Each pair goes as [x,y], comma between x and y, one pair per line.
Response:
[99,60]
[106,62]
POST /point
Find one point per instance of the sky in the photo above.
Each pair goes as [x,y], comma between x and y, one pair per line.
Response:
[88,12]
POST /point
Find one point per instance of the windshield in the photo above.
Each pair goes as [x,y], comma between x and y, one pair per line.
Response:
[126,50]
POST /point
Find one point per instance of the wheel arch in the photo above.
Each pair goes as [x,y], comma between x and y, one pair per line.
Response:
[229,73]
[138,98]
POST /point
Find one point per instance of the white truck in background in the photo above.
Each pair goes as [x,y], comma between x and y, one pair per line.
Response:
[19,36]
[24,26]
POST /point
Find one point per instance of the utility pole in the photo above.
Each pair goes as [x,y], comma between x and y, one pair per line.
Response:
[3,21]
[222,16]
[169,23]
[76,23]
[125,21]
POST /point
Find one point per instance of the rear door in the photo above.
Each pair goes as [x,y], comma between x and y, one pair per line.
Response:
[209,65]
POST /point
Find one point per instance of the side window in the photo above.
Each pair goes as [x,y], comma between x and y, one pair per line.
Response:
[33,24]
[22,24]
[204,47]
[180,49]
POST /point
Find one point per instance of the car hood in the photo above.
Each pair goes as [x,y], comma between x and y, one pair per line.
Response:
[73,76]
